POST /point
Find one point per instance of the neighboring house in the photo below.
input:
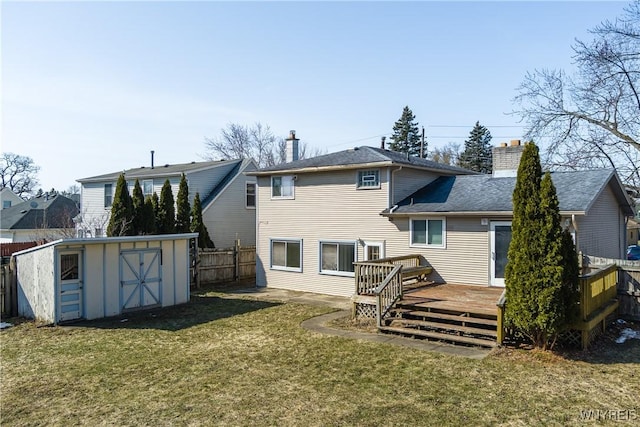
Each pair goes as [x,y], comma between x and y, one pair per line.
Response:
[318,216]
[43,218]
[226,194]
[633,231]
[8,198]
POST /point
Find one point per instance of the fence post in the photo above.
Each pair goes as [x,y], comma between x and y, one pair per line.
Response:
[236,259]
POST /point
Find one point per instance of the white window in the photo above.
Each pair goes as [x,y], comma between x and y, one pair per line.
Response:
[286,255]
[6,204]
[251,195]
[337,258]
[373,250]
[282,187]
[428,232]
[147,187]
[369,179]
[108,195]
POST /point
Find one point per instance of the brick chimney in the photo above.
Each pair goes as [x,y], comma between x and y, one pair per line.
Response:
[292,147]
[506,158]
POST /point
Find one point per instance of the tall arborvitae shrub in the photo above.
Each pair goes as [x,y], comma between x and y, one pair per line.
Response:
[570,282]
[121,219]
[138,209]
[155,204]
[183,212]
[166,223]
[149,216]
[197,224]
[535,275]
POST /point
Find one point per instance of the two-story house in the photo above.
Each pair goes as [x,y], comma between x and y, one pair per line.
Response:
[228,197]
[318,216]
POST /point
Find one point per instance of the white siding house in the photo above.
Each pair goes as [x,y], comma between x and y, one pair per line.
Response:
[93,278]
[220,185]
[317,216]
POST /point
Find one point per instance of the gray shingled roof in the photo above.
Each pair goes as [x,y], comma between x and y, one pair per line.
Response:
[484,193]
[159,171]
[58,211]
[362,155]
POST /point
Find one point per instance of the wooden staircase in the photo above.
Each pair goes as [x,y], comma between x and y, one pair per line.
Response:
[439,320]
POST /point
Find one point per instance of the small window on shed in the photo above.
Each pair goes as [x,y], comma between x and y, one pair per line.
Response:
[69,266]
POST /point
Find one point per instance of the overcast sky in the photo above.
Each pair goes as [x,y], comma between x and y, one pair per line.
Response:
[91,87]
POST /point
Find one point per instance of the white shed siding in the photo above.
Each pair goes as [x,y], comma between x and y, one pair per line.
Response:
[601,232]
[35,301]
[407,181]
[227,218]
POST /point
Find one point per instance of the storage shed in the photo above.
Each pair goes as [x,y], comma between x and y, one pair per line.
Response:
[93,278]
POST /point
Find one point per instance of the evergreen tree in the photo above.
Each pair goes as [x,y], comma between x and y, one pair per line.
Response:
[197,224]
[477,154]
[155,204]
[138,209]
[149,216]
[570,282]
[121,219]
[183,220]
[536,273]
[166,216]
[406,137]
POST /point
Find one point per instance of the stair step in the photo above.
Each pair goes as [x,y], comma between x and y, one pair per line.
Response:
[439,336]
[454,317]
[447,326]
[435,307]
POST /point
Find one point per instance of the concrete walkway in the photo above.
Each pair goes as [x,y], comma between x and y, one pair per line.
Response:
[343,305]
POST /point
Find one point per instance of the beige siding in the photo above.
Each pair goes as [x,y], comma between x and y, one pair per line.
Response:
[227,218]
[602,231]
[407,181]
[465,260]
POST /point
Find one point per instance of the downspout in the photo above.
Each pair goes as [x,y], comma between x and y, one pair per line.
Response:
[574,223]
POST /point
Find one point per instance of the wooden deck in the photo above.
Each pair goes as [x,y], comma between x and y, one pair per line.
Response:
[461,298]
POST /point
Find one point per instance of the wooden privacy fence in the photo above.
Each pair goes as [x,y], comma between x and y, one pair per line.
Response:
[224,265]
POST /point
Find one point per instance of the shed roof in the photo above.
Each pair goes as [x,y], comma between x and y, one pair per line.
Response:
[577,191]
[357,157]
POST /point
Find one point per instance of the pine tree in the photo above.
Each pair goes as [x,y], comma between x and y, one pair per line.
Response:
[183,220]
[406,137]
[536,273]
[477,154]
[197,224]
[121,219]
[138,209]
[149,216]
[166,223]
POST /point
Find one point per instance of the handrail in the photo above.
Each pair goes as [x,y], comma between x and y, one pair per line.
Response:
[389,291]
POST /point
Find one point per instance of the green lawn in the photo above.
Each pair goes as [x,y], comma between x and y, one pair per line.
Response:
[225,361]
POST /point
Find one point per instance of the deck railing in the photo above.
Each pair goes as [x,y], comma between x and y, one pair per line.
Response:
[389,291]
[369,275]
[597,293]
[596,290]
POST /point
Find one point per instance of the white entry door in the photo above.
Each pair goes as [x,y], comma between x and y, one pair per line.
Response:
[70,285]
[500,238]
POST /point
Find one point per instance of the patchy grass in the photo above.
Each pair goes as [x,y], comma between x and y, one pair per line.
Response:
[226,361]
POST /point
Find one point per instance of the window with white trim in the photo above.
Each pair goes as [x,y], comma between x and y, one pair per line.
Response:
[108,195]
[282,187]
[147,187]
[428,232]
[250,193]
[337,258]
[369,179]
[286,254]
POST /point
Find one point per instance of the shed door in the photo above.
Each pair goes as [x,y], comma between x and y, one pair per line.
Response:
[140,279]
[70,285]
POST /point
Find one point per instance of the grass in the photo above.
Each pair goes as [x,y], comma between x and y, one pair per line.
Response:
[229,361]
